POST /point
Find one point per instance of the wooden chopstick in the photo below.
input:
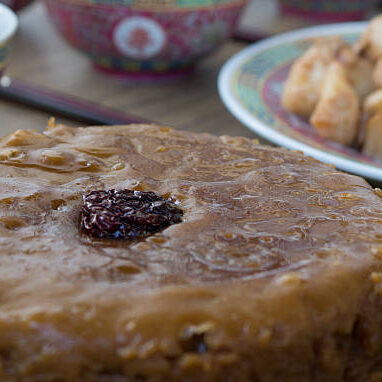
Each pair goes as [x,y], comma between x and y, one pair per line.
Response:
[75,108]
[59,104]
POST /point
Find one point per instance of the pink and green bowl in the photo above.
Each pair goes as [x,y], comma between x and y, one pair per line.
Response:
[16,5]
[145,37]
[328,10]
[8,26]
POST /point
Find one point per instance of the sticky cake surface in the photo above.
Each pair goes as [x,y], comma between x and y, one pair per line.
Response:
[273,274]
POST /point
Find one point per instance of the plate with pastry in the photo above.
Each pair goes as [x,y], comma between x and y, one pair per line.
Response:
[318,90]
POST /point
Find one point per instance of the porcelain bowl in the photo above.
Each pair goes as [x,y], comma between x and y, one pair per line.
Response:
[8,26]
[145,36]
[16,5]
[329,10]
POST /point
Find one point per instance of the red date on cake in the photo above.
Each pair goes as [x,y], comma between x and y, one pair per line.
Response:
[126,214]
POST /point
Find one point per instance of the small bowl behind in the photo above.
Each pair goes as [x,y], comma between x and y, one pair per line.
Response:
[8,26]
[328,10]
[143,37]
[16,5]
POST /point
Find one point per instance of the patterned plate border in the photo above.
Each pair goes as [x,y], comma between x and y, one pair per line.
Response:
[262,120]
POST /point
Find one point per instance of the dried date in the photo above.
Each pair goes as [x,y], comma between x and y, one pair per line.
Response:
[126,214]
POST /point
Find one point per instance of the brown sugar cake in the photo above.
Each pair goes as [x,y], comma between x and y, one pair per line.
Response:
[232,261]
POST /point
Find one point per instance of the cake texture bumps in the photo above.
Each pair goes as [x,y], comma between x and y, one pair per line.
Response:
[141,253]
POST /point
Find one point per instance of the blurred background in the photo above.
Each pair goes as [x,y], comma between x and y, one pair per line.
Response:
[44,63]
[276,16]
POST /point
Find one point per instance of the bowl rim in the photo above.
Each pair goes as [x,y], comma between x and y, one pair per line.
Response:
[11,23]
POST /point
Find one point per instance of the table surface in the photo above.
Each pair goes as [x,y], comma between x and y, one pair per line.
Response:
[42,58]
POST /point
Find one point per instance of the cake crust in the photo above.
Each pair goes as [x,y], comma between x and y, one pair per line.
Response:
[274,274]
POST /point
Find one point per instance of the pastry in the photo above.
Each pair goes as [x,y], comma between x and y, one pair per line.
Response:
[332,85]
[336,115]
[268,266]
[302,88]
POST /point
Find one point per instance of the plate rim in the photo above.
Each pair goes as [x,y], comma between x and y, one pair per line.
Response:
[252,122]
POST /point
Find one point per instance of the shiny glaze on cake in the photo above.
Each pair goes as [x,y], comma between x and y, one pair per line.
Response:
[272,275]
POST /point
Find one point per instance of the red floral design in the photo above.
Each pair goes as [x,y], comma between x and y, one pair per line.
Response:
[139,39]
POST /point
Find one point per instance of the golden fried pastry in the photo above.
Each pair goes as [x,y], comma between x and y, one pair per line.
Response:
[336,115]
[377,73]
[334,85]
[373,103]
[359,71]
[372,143]
[372,140]
[302,88]
[272,271]
[370,43]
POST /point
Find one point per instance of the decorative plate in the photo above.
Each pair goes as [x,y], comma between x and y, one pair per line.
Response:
[250,85]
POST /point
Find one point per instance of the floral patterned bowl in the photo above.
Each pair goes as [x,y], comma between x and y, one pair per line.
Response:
[16,5]
[8,26]
[145,37]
